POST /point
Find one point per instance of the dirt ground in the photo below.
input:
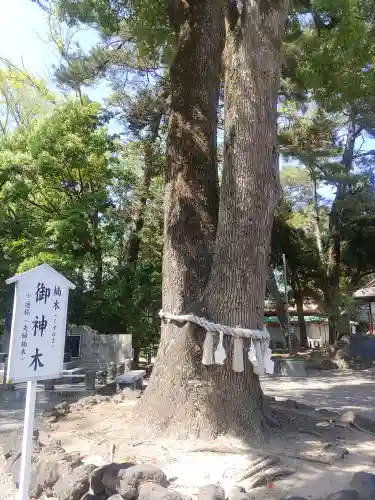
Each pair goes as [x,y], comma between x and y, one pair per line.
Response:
[102,428]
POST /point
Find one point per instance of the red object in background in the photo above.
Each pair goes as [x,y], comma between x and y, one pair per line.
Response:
[271,485]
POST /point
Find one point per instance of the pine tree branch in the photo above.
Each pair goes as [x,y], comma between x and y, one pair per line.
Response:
[366,153]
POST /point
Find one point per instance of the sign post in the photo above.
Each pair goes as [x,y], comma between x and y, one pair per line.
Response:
[37,342]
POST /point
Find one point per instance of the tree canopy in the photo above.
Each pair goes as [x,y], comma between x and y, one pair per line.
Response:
[92,203]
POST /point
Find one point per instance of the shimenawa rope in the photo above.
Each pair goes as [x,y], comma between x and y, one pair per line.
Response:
[259,353]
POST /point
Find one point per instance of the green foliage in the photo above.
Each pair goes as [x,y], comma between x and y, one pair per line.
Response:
[68,191]
[328,242]
[330,50]
[144,22]
[22,98]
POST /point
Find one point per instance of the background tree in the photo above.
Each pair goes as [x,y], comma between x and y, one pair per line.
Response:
[316,141]
[334,66]
[70,188]
[23,97]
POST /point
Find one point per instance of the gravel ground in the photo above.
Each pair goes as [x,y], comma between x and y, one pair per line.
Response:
[12,408]
[337,390]
[7,490]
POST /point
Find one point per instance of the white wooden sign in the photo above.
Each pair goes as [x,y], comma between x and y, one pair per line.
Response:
[37,342]
[38,331]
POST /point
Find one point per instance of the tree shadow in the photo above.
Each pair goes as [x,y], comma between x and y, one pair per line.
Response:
[12,406]
[337,390]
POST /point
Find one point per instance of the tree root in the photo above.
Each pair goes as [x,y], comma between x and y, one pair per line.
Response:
[269,475]
[359,428]
[311,433]
[258,465]
[311,459]
[350,426]
[233,450]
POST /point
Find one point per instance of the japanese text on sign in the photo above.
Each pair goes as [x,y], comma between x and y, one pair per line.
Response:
[39,324]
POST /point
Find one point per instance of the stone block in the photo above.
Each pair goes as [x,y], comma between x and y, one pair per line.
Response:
[49,385]
[90,380]
[108,389]
[293,367]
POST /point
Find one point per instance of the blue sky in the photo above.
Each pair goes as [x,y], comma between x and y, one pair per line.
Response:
[24,40]
[20,23]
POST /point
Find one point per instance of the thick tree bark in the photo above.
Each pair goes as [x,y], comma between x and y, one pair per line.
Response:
[274,291]
[333,319]
[333,294]
[248,199]
[136,354]
[191,206]
[185,397]
[298,295]
[139,215]
[96,250]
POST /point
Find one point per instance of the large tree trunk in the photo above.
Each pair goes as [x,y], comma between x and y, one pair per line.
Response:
[332,309]
[334,271]
[191,206]
[298,295]
[185,397]
[248,198]
[274,291]
[333,321]
[139,214]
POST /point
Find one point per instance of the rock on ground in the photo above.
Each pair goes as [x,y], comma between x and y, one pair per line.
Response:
[145,472]
[239,493]
[106,477]
[343,495]
[44,473]
[92,496]
[125,479]
[13,443]
[74,485]
[48,464]
[143,481]
[154,491]
[211,492]
[364,484]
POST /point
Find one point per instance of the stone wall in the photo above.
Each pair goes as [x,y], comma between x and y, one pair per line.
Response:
[5,337]
[98,350]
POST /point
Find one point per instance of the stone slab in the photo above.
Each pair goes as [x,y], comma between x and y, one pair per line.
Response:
[292,367]
[132,378]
